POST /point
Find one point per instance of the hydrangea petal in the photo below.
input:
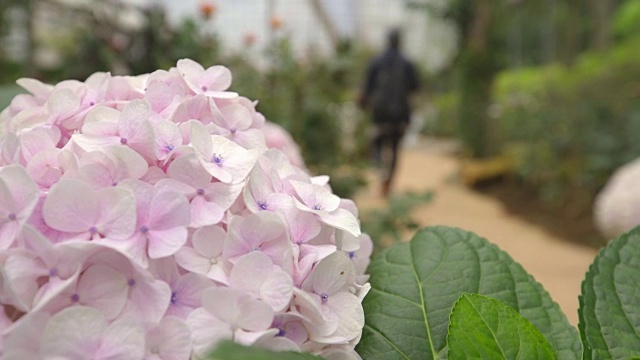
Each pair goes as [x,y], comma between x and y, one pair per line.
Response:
[71,206]
[169,340]
[74,333]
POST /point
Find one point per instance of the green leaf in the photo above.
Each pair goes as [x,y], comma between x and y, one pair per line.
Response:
[484,328]
[610,301]
[415,285]
[231,351]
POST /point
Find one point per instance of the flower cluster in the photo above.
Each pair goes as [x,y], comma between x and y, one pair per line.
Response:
[147,217]
[616,208]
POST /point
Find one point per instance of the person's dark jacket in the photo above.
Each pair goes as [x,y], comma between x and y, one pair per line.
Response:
[390,80]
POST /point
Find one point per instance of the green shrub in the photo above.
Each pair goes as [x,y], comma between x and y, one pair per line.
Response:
[445,121]
[574,125]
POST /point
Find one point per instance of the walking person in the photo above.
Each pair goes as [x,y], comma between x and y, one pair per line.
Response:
[390,80]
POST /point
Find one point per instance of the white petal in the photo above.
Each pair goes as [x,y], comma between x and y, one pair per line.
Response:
[343,220]
[332,273]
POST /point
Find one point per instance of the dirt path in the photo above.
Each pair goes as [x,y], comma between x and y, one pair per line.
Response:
[560,266]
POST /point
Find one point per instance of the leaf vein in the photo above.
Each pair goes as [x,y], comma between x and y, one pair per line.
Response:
[395,296]
[388,341]
[422,299]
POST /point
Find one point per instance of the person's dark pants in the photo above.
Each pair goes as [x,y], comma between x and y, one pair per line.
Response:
[386,144]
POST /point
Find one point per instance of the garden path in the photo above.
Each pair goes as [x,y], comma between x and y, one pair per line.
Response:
[429,165]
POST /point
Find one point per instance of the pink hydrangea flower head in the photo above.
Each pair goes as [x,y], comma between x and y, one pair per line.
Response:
[152,216]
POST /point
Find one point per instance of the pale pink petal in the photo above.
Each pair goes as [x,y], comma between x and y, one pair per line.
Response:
[249,139]
[277,343]
[249,338]
[196,107]
[135,129]
[23,340]
[127,163]
[19,282]
[332,274]
[232,159]
[188,170]
[255,315]
[321,180]
[217,78]
[348,309]
[134,248]
[49,295]
[315,196]
[9,148]
[176,186]
[9,294]
[234,117]
[191,71]
[303,226]
[89,142]
[166,242]
[62,104]
[223,303]
[223,194]
[104,289]
[277,290]
[37,140]
[34,86]
[250,271]
[201,141]
[153,175]
[18,198]
[167,210]
[169,340]
[209,240]
[117,218]
[205,213]
[167,137]
[206,331]
[347,242]
[74,333]
[71,206]
[319,320]
[190,259]
[343,220]
[187,294]
[150,298]
[45,168]
[102,121]
[122,340]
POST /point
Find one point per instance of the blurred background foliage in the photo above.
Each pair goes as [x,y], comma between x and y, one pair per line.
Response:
[310,97]
[551,85]
[559,94]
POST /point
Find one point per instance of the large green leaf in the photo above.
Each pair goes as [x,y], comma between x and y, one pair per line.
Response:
[484,328]
[610,301]
[415,284]
[231,351]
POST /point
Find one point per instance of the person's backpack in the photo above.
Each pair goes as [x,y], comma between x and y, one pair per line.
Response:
[389,96]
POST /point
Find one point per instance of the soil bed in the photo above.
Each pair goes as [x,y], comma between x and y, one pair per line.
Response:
[523,203]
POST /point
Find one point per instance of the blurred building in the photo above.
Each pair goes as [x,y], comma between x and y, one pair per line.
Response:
[313,26]
[429,40]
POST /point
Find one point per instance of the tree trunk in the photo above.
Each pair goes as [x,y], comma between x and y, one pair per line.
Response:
[477,69]
[326,21]
[602,14]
